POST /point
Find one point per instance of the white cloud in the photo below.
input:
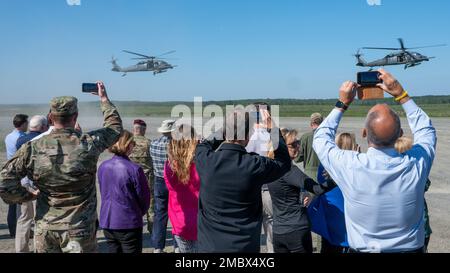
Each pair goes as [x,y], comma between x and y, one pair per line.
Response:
[73,2]
[374,2]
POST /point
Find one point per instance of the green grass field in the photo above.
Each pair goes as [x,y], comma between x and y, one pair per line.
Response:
[290,110]
[433,110]
[435,106]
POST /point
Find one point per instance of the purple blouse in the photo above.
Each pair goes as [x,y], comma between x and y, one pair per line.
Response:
[125,196]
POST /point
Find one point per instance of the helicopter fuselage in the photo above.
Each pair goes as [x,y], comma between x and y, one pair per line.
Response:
[397,58]
[148,63]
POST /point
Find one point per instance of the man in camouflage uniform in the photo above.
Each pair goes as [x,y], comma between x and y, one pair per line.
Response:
[63,166]
[141,156]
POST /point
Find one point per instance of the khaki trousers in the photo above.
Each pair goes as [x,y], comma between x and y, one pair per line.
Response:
[23,228]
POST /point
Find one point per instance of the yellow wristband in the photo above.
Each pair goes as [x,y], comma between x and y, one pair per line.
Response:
[402,96]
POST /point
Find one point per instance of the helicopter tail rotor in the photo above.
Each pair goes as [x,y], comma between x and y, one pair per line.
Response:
[361,61]
[116,67]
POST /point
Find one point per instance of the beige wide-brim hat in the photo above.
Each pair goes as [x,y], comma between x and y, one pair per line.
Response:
[167,126]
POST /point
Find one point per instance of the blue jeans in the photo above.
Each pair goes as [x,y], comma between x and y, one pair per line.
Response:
[186,246]
[161,195]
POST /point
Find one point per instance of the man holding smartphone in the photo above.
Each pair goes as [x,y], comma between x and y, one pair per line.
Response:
[63,166]
[260,142]
[383,189]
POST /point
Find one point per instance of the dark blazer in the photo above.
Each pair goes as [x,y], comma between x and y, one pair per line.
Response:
[230,207]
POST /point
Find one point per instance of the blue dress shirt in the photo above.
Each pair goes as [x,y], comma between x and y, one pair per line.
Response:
[383,190]
[11,141]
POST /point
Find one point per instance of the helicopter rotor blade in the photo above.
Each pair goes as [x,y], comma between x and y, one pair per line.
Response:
[382,48]
[154,59]
[143,58]
[167,58]
[441,45]
[167,53]
[138,54]
[402,44]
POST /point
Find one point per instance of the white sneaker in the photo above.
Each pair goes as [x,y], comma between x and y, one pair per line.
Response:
[177,250]
[157,250]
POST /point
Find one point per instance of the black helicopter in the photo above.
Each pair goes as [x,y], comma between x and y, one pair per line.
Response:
[148,63]
[402,56]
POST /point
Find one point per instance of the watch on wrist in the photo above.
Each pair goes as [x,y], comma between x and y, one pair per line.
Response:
[340,104]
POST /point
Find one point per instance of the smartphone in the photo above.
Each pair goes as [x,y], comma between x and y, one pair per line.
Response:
[89,88]
[369,79]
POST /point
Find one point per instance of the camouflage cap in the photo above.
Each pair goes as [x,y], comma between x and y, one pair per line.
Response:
[64,106]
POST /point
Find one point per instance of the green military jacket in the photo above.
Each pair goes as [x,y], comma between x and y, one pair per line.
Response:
[308,156]
[141,154]
[63,166]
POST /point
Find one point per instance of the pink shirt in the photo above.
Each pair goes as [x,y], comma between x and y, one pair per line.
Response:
[183,203]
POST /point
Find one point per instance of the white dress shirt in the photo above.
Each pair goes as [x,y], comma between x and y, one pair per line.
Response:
[383,190]
[259,142]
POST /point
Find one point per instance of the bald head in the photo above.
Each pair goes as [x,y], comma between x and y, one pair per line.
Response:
[383,126]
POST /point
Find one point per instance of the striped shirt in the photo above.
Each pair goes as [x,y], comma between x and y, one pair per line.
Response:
[158,152]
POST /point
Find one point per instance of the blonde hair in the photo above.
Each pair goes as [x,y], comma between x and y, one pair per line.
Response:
[121,146]
[403,144]
[181,151]
[284,131]
[316,118]
[346,141]
[289,133]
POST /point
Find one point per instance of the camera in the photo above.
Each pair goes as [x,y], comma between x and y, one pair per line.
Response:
[89,88]
[369,79]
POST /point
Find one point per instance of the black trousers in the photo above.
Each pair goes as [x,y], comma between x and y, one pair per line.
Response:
[331,249]
[12,219]
[124,240]
[299,241]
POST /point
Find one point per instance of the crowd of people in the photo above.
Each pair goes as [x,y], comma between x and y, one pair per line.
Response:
[221,192]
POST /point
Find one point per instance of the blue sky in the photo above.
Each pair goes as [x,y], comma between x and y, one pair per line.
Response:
[227,49]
